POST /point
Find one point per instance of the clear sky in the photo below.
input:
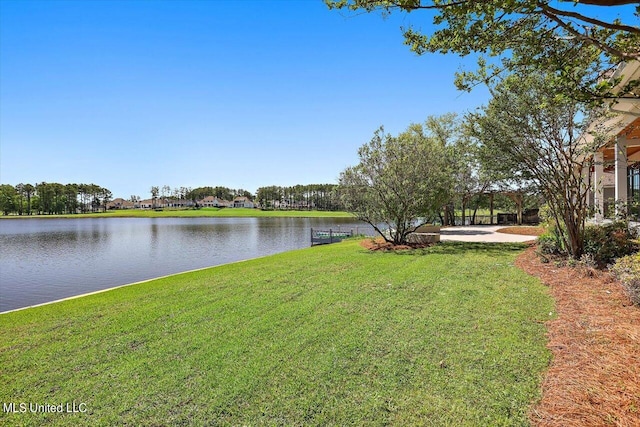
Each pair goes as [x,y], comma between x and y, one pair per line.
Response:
[242,94]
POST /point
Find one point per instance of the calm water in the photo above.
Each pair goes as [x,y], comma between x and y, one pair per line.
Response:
[47,259]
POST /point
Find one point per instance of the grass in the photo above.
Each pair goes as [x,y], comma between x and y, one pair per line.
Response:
[203,212]
[452,335]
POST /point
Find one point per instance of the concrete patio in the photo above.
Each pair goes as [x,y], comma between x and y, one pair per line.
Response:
[481,233]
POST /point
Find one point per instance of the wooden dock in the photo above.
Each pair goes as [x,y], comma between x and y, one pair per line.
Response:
[323,237]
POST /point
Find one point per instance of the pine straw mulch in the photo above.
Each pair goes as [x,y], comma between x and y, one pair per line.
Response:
[594,377]
[523,230]
[379,244]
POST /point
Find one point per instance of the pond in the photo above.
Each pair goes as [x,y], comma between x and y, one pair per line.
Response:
[43,260]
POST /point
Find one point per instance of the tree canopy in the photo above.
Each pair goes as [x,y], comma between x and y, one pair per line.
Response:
[398,180]
[53,198]
[309,196]
[536,132]
[562,37]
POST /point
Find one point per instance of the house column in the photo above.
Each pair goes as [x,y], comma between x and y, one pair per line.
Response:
[621,171]
[598,185]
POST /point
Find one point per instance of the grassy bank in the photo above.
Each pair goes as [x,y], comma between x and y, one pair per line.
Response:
[331,335]
[204,212]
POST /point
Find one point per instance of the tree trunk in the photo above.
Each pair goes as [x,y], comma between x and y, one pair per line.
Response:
[491,208]
[464,211]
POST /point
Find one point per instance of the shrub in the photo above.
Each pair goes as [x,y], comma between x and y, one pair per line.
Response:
[544,213]
[606,243]
[547,244]
[550,243]
[627,270]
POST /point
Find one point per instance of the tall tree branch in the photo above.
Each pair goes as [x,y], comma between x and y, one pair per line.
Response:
[603,46]
[612,26]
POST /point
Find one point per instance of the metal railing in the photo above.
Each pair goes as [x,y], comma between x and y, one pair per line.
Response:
[338,233]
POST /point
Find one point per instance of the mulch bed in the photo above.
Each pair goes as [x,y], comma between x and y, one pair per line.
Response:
[522,230]
[379,244]
[594,377]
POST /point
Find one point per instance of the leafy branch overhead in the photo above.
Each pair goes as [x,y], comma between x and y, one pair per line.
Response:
[523,36]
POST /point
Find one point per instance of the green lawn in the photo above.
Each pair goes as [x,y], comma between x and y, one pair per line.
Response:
[204,212]
[330,335]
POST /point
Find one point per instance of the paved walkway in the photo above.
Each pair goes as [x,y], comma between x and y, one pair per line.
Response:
[481,233]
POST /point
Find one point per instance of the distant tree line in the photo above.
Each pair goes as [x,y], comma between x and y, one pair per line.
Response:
[312,196]
[53,198]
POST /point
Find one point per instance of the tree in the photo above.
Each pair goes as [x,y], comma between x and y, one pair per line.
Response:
[8,194]
[28,191]
[106,196]
[45,193]
[155,190]
[84,192]
[19,197]
[269,197]
[398,180]
[71,192]
[537,132]
[526,36]
[241,192]
[471,180]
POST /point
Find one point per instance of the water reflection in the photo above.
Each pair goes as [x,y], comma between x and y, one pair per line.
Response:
[48,259]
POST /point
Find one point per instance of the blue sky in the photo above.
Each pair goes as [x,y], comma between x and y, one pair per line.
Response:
[242,94]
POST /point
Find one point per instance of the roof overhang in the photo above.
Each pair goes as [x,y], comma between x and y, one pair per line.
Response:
[625,117]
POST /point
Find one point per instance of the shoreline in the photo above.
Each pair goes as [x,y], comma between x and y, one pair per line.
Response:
[192,213]
[43,293]
[135,283]
[493,237]
[280,330]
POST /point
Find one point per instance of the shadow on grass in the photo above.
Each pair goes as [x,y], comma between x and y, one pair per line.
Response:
[459,248]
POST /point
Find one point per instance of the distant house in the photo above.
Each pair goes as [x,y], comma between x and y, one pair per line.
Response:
[281,204]
[179,203]
[214,202]
[120,203]
[243,202]
[146,204]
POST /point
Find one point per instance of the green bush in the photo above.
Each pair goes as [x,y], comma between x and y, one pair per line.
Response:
[627,270]
[606,243]
[544,213]
[547,244]
[551,243]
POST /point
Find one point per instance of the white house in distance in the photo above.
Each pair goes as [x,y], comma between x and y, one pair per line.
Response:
[243,202]
[616,174]
[238,202]
[214,202]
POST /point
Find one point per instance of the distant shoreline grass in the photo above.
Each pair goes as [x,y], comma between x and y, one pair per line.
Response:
[195,213]
[329,335]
